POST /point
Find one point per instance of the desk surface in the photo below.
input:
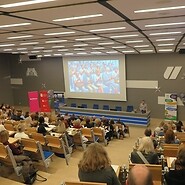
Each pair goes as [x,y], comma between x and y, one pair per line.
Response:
[13,140]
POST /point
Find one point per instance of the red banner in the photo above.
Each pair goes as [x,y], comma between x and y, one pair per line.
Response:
[44,102]
[33,101]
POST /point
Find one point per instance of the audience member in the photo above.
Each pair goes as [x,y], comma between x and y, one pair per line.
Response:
[20,131]
[169,137]
[139,175]
[143,107]
[95,166]
[176,176]
[41,128]
[145,152]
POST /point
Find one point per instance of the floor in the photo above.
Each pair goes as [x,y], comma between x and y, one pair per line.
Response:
[59,172]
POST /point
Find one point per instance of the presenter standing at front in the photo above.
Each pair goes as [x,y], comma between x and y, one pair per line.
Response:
[143,107]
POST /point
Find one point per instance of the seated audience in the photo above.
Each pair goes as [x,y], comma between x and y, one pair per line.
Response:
[169,137]
[139,175]
[176,176]
[95,166]
[145,152]
[20,132]
[61,127]
[41,128]
[179,127]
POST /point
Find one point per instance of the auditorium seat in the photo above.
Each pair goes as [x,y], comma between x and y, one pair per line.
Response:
[105,107]
[118,108]
[130,108]
[73,105]
[95,106]
[84,105]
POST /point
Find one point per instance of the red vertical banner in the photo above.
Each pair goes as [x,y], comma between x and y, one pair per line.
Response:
[33,101]
[44,102]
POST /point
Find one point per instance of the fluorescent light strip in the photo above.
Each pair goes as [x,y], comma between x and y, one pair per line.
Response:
[79,49]
[57,54]
[79,45]
[47,51]
[134,41]
[7,49]
[82,53]
[14,25]
[165,39]
[165,50]
[184,43]
[164,24]
[166,33]
[107,29]
[69,54]
[55,41]
[93,38]
[146,51]
[60,33]
[19,49]
[105,43]
[24,3]
[15,52]
[118,47]
[111,52]
[159,9]
[38,47]
[7,45]
[58,46]
[47,55]
[99,48]
[35,51]
[96,52]
[128,51]
[24,52]
[123,36]
[28,43]
[141,46]
[78,17]
[19,37]
[63,49]
[166,44]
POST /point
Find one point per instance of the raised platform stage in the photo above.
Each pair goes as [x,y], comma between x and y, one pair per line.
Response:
[126,117]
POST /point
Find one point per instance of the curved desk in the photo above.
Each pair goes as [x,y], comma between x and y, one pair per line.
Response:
[126,117]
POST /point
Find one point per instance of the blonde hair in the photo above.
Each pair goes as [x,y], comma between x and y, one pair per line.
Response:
[146,145]
[94,158]
[4,136]
[20,127]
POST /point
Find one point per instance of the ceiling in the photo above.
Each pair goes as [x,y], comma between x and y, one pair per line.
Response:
[113,27]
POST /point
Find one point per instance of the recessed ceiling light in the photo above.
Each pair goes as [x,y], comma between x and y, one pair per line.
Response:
[98,48]
[128,51]
[28,43]
[79,45]
[111,52]
[79,49]
[6,45]
[166,33]
[124,36]
[20,37]
[7,49]
[19,49]
[134,41]
[24,3]
[118,47]
[166,44]
[69,54]
[38,48]
[105,43]
[107,29]
[165,39]
[146,51]
[92,38]
[14,25]
[164,24]
[55,41]
[159,9]
[60,33]
[165,50]
[141,46]
[58,46]
[78,17]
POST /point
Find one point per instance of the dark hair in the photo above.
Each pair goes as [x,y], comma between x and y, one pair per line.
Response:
[41,119]
[179,127]
[180,162]
[148,132]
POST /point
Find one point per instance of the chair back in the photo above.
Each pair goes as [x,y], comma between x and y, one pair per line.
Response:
[73,105]
[88,133]
[180,135]
[105,107]
[95,106]
[118,108]
[9,126]
[130,108]
[39,137]
[83,183]
[84,105]
[170,150]
[78,140]
[100,133]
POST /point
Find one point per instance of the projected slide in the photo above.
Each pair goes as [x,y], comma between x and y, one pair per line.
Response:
[95,77]
[98,76]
